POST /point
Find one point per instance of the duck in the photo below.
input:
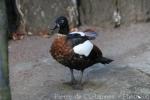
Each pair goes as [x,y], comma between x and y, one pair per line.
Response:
[75,50]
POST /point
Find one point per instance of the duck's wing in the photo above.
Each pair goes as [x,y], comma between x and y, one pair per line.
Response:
[77,38]
[85,49]
[81,44]
[90,35]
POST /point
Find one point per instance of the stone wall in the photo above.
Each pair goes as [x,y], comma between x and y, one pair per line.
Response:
[38,14]
[98,12]
[135,10]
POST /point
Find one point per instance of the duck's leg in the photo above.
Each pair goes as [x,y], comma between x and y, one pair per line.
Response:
[81,77]
[73,81]
[79,86]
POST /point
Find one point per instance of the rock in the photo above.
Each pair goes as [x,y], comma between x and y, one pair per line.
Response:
[39,15]
[99,12]
[96,12]
[134,10]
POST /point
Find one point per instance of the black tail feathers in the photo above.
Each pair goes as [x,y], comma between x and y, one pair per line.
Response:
[104,60]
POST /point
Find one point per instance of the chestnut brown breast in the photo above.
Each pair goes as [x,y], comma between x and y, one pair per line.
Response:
[61,49]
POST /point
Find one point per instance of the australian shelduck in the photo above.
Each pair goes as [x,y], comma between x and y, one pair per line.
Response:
[75,50]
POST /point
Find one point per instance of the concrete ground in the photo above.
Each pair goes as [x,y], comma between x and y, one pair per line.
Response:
[35,75]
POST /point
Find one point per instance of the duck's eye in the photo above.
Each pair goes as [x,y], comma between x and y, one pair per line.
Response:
[62,21]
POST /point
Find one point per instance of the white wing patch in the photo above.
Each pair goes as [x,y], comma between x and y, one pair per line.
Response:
[84,48]
[81,33]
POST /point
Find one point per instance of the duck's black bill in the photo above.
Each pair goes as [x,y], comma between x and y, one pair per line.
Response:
[56,26]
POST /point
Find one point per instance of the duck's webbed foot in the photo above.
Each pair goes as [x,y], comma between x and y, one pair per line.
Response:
[73,82]
[77,87]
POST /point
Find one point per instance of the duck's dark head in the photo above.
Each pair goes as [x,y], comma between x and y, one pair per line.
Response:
[61,23]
